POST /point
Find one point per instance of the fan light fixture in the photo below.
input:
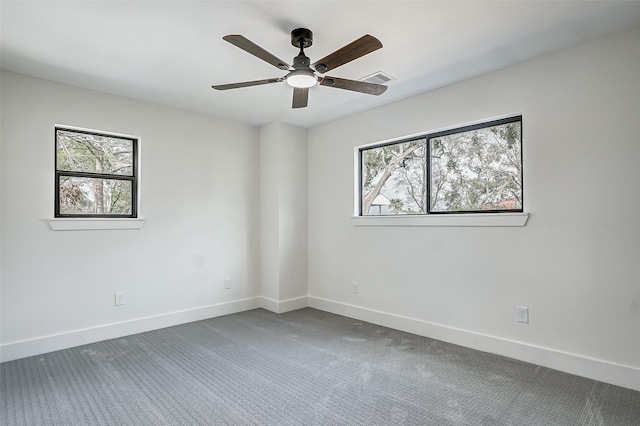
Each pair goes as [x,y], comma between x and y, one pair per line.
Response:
[303,75]
[302,79]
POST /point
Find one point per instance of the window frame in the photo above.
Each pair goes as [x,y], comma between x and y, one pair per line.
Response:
[133,178]
[428,136]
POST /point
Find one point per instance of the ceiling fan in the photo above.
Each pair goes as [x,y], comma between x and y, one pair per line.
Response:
[303,75]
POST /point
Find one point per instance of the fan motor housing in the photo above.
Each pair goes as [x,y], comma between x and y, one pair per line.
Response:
[301,35]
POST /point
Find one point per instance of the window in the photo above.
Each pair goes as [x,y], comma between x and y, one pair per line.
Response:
[472,169]
[96,174]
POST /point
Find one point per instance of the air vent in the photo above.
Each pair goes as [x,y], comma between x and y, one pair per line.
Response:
[377,78]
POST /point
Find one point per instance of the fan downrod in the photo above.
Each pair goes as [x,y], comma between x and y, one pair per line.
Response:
[301,37]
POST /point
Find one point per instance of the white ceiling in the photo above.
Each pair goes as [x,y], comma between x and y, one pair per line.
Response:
[171,52]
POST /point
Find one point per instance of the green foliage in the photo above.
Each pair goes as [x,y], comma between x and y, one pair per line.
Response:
[387,168]
[98,158]
[475,170]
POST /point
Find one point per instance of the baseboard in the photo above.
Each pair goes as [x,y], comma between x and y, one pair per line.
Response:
[601,370]
[55,342]
[605,371]
[280,307]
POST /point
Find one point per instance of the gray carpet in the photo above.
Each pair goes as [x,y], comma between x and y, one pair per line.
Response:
[306,367]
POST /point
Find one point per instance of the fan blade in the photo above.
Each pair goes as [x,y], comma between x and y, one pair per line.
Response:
[356,86]
[247,84]
[250,47]
[362,46]
[300,97]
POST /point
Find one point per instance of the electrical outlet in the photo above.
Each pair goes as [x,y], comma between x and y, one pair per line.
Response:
[119,298]
[522,314]
[356,287]
[227,283]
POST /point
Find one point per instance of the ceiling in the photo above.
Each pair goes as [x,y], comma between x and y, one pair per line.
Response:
[171,52]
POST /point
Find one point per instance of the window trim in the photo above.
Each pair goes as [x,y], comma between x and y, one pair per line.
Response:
[94,224]
[428,136]
[475,220]
[97,219]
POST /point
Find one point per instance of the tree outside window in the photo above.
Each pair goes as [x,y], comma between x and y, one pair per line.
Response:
[95,174]
[473,169]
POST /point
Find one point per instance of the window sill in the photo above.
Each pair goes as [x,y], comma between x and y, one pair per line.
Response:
[451,220]
[85,224]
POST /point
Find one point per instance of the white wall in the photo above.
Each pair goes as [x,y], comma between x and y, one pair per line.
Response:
[199,199]
[575,264]
[293,213]
[283,217]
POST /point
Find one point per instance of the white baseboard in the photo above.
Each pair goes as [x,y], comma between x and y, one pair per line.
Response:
[604,371]
[284,305]
[55,342]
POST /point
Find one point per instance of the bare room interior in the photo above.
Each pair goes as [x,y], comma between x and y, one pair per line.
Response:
[290,247]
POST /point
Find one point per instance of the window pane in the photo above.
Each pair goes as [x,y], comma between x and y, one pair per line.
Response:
[393,179]
[81,195]
[477,170]
[84,152]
